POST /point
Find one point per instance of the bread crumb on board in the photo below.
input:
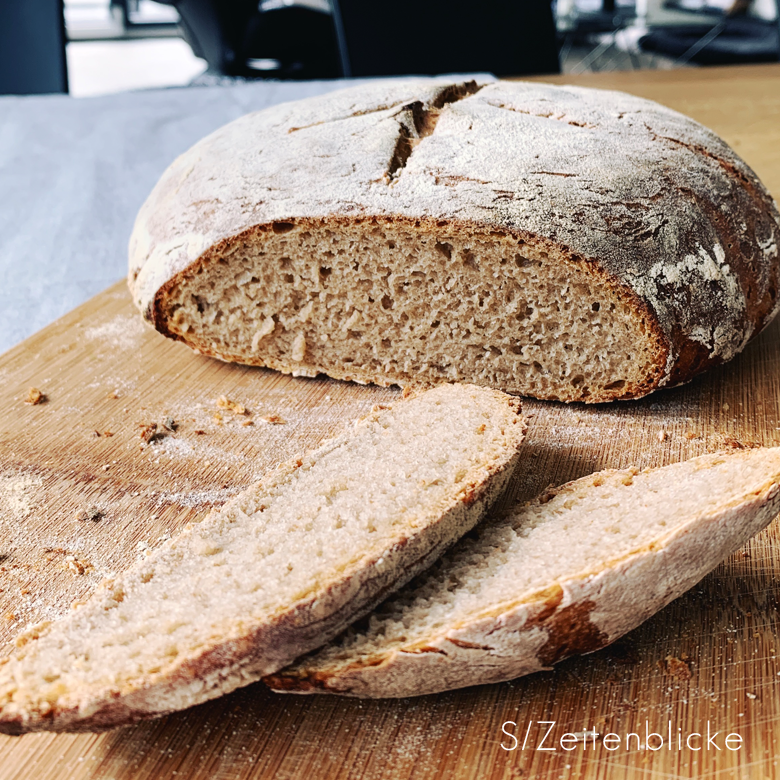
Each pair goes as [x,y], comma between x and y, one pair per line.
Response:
[76,566]
[679,668]
[223,402]
[92,513]
[35,397]
[151,433]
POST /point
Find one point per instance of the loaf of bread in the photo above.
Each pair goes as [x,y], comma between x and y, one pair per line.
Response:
[562,243]
[276,572]
[567,573]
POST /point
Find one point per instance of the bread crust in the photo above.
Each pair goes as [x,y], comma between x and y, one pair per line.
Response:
[579,614]
[649,202]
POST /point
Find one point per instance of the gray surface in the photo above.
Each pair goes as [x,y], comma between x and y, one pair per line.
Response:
[73,174]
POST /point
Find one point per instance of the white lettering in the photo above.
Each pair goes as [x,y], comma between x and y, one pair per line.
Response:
[512,736]
[688,741]
[711,739]
[736,737]
[527,732]
[569,738]
[649,734]
[547,734]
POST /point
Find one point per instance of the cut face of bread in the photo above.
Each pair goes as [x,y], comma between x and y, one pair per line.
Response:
[385,302]
[276,572]
[564,243]
[568,573]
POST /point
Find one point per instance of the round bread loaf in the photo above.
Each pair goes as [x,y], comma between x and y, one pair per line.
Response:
[558,242]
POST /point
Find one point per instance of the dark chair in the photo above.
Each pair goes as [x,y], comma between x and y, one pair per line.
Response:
[32,47]
[372,37]
[396,37]
[731,42]
[236,37]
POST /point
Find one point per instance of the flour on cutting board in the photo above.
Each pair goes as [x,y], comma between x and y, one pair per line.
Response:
[122,332]
[196,498]
[183,448]
[17,495]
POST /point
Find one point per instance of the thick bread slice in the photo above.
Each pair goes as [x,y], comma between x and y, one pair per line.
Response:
[558,242]
[568,573]
[276,572]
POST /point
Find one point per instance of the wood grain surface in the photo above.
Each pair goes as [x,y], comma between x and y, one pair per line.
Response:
[88,484]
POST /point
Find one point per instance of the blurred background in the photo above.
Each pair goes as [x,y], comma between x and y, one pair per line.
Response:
[97,47]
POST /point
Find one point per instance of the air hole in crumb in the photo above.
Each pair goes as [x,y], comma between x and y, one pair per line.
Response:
[470,260]
[445,249]
[325,272]
[387,302]
[616,385]
[522,262]
[577,380]
[596,306]
[288,278]
[282,227]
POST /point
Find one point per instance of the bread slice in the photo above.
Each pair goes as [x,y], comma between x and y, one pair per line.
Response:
[559,242]
[568,573]
[276,572]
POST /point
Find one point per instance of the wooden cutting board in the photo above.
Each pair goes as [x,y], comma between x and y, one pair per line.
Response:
[138,436]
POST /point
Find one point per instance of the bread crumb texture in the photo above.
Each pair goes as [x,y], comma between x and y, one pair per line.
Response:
[564,574]
[559,242]
[35,397]
[277,571]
